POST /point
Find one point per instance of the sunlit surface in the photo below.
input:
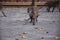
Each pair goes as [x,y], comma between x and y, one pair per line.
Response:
[12,27]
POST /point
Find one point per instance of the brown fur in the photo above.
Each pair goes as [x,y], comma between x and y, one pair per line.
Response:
[35,13]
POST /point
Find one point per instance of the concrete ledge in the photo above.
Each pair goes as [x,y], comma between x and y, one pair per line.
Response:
[22,3]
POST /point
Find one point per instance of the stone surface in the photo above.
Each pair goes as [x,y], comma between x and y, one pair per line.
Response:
[12,25]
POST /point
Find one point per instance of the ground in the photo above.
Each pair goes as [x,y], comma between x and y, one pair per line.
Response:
[13,26]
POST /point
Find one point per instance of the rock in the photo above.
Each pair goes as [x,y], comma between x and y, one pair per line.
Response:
[53,21]
[16,39]
[42,37]
[24,32]
[23,36]
[47,32]
[36,28]
[40,28]
[56,37]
